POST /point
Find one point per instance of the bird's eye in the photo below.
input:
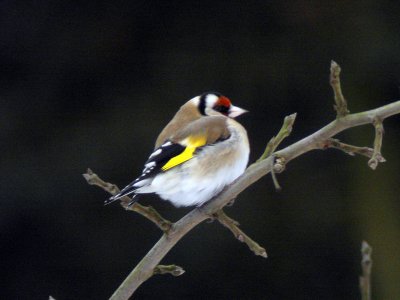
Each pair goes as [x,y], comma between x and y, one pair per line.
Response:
[222,109]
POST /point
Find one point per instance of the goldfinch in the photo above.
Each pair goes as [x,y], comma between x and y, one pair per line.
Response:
[200,151]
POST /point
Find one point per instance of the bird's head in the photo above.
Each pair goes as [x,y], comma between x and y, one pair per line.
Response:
[211,102]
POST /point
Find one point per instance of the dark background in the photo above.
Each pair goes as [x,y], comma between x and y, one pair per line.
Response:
[91,85]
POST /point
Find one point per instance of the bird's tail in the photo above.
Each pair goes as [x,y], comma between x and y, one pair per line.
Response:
[125,192]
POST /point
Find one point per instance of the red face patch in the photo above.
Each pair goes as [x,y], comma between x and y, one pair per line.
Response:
[223,101]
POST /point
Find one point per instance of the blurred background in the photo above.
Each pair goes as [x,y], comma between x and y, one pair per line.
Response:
[91,85]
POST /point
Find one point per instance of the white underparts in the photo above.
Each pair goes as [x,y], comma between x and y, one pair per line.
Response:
[202,177]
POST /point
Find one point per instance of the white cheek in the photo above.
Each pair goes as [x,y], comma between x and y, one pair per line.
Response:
[210,112]
[211,100]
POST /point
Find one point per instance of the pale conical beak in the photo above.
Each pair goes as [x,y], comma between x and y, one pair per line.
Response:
[235,111]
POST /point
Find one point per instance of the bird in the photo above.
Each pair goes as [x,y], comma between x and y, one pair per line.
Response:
[199,152]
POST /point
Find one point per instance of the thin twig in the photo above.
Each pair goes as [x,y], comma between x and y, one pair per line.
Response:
[273,175]
[341,104]
[274,142]
[377,156]
[146,211]
[366,265]
[283,133]
[232,225]
[170,269]
[349,149]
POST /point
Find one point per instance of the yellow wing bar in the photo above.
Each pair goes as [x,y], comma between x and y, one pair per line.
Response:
[192,142]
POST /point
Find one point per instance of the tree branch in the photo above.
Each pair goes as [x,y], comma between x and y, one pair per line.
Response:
[253,173]
[174,270]
[349,149]
[232,225]
[366,265]
[145,268]
[146,211]
[273,144]
[283,133]
[376,155]
[341,104]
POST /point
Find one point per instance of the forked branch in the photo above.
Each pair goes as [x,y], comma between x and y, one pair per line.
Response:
[272,160]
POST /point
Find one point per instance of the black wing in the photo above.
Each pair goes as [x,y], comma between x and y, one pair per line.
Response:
[152,167]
